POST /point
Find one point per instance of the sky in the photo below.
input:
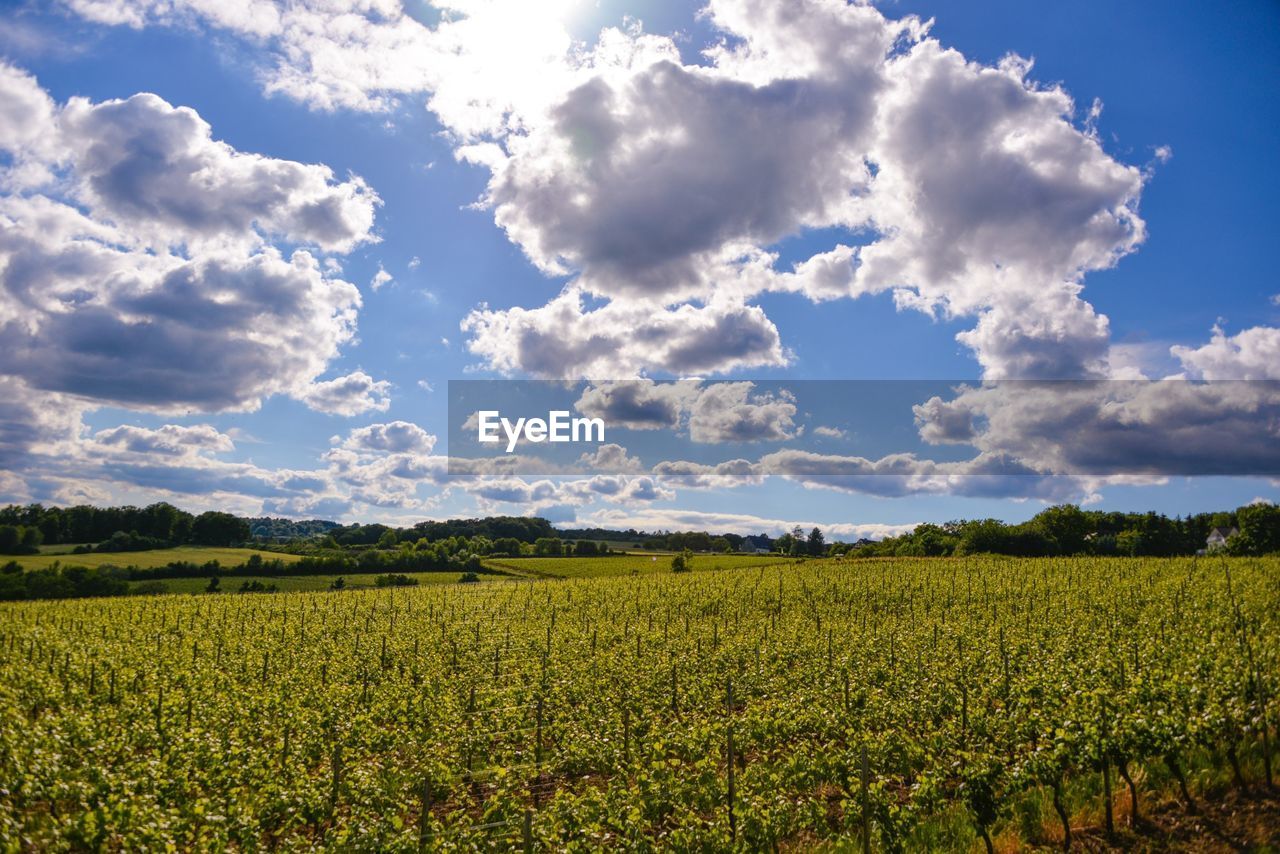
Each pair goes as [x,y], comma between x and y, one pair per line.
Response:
[245,247]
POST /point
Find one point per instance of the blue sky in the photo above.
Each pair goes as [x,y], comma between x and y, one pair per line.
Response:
[1153,212]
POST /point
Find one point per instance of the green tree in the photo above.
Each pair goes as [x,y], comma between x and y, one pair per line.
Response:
[1259,526]
[817,544]
[1066,525]
[548,547]
[215,528]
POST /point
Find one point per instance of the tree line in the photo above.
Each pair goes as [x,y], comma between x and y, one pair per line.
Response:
[1061,530]
[524,529]
[24,528]
[1069,530]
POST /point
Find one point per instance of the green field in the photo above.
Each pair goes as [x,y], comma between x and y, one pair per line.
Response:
[930,704]
[60,548]
[630,564]
[149,559]
[297,583]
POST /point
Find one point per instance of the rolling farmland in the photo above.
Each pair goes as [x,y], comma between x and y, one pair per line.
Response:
[150,559]
[306,583]
[913,704]
[630,564]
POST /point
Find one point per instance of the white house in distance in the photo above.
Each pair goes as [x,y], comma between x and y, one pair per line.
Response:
[1217,539]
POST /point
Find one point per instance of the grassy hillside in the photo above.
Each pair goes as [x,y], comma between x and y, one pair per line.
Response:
[150,559]
[300,583]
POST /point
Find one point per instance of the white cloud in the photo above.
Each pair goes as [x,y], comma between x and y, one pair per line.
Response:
[1252,354]
[380,278]
[656,519]
[156,170]
[353,394]
[169,440]
[26,115]
[51,457]
[481,62]
[637,404]
[730,412]
[610,457]
[384,465]
[711,413]
[975,193]
[32,422]
[971,188]
[564,494]
[623,339]
[1109,428]
[136,266]
[830,432]
[980,196]
[396,437]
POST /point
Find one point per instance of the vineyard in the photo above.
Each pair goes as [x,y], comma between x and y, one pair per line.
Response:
[895,704]
[150,559]
[629,564]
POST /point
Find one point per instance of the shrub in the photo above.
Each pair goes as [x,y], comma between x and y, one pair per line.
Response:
[468,578]
[395,580]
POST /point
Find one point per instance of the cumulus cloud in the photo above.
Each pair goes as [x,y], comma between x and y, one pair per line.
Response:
[136,266]
[657,519]
[479,61]
[26,114]
[50,456]
[729,412]
[353,394]
[384,465]
[980,195]
[396,437]
[156,170]
[728,474]
[661,185]
[1103,428]
[566,494]
[32,422]
[170,439]
[711,413]
[891,476]
[1252,354]
[622,339]
[610,457]
[637,404]
[92,321]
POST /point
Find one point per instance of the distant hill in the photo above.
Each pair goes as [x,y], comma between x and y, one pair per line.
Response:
[270,528]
